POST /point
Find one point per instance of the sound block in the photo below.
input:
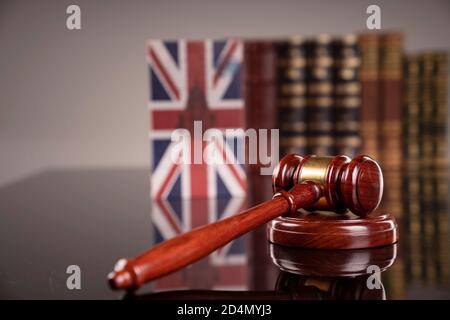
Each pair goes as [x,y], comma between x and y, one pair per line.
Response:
[327,230]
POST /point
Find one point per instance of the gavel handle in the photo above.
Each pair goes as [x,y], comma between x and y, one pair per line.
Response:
[187,248]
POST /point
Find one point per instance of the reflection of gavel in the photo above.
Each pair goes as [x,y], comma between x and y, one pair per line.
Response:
[321,183]
[307,274]
[289,286]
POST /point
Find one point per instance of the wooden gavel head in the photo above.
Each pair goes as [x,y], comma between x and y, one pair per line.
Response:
[354,184]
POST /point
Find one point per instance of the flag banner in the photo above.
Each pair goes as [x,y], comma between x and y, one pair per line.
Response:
[196,86]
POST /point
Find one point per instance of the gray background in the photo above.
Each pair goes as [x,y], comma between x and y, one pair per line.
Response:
[78,98]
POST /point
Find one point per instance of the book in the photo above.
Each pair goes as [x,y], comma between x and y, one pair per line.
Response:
[320,102]
[425,170]
[369,44]
[291,90]
[390,107]
[440,137]
[347,95]
[411,171]
[261,94]
[439,165]
[260,76]
[411,146]
[426,145]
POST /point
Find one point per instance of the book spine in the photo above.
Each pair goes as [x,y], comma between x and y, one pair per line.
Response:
[440,140]
[260,76]
[427,177]
[320,100]
[292,96]
[369,44]
[411,134]
[347,95]
[411,184]
[426,143]
[440,164]
[262,64]
[391,53]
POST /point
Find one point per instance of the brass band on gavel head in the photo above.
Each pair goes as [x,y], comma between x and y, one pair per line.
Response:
[325,171]
[345,184]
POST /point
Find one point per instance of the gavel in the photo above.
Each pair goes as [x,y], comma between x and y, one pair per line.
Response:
[312,183]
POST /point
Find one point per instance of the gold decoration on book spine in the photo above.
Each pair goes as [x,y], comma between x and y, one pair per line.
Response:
[391,56]
[369,44]
[347,95]
[292,95]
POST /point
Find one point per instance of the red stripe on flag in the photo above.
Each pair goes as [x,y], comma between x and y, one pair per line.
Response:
[199,175]
[199,210]
[164,73]
[196,65]
[224,118]
[225,61]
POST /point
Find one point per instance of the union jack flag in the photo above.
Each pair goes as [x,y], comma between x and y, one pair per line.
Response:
[226,268]
[195,81]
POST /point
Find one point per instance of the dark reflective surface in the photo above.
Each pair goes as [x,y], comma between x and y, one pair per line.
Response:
[91,218]
[309,275]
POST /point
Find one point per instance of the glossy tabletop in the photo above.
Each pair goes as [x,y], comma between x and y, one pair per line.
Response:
[90,218]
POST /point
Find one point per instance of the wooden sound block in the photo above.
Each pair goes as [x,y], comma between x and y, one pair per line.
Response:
[327,230]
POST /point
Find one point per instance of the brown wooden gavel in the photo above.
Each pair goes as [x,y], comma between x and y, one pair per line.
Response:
[313,183]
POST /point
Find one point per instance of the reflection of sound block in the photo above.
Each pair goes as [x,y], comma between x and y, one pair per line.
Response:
[327,230]
[332,263]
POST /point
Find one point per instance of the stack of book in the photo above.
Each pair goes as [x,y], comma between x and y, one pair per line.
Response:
[319,109]
[291,88]
[319,95]
[426,164]
[347,96]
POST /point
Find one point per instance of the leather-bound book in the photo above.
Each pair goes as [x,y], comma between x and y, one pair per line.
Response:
[369,44]
[427,150]
[438,230]
[347,95]
[411,147]
[391,54]
[260,77]
[440,116]
[411,171]
[320,96]
[425,196]
[292,96]
[426,192]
